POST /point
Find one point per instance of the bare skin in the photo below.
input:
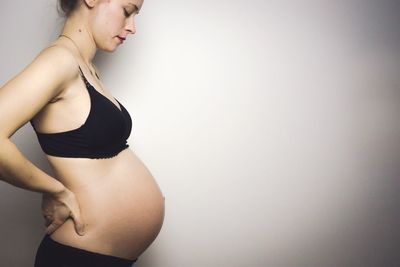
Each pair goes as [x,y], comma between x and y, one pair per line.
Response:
[116,199]
[120,201]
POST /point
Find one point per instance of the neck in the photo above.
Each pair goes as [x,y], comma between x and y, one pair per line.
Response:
[77,30]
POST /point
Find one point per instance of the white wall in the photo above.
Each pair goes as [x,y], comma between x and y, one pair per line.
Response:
[272,128]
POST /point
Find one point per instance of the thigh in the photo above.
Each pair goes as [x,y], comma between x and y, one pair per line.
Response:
[50,253]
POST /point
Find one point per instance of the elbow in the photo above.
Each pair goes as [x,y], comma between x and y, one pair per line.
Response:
[3,140]
[5,157]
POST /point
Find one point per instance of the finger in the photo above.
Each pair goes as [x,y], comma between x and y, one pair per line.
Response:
[78,223]
[47,223]
[52,227]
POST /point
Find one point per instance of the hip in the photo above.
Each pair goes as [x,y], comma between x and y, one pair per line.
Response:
[122,208]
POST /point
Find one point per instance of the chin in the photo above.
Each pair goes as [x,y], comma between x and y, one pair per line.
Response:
[109,48]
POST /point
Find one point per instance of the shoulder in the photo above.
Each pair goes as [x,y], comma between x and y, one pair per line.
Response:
[23,96]
[59,64]
[60,58]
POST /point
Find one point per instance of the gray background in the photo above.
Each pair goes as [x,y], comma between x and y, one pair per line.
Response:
[272,128]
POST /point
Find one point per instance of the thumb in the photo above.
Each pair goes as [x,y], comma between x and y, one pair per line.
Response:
[78,223]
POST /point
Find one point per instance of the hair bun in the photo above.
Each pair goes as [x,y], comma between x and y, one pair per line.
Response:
[67,7]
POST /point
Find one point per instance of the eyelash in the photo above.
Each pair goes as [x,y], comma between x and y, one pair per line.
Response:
[126,13]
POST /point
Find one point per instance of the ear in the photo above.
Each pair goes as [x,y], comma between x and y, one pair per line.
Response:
[90,3]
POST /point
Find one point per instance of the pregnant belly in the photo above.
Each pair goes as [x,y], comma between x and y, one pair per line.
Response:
[123,208]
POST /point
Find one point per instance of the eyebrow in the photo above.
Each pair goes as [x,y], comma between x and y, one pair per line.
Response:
[136,7]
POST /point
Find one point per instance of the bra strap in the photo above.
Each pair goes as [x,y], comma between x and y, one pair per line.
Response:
[83,77]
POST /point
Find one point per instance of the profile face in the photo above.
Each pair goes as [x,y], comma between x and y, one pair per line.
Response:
[112,21]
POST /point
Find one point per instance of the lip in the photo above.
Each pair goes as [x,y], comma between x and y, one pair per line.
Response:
[122,39]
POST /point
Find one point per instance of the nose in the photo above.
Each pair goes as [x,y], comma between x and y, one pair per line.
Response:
[130,25]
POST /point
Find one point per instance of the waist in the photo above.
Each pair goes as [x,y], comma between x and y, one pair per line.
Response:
[120,201]
[82,173]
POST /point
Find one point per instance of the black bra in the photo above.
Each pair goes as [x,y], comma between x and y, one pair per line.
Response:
[103,135]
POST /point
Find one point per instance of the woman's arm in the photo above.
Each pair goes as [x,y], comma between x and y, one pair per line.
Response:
[20,99]
[15,169]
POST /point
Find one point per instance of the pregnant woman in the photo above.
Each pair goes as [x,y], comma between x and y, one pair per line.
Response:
[102,207]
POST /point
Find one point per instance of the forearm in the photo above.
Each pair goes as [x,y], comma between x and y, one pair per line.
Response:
[17,170]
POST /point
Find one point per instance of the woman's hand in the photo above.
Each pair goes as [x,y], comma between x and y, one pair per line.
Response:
[57,208]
